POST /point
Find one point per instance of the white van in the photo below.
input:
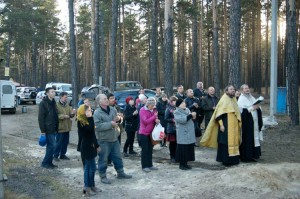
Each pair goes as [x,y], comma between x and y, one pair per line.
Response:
[8,97]
[60,87]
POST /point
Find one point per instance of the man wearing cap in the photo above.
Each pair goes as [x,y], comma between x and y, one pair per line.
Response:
[48,123]
[106,122]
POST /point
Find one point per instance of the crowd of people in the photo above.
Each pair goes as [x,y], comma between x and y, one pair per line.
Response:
[232,124]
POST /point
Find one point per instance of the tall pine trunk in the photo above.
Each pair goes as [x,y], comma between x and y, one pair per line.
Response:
[102,46]
[95,40]
[34,63]
[234,43]
[216,49]
[73,54]
[258,46]
[168,46]
[195,65]
[124,76]
[266,83]
[113,38]
[291,61]
[225,67]
[153,45]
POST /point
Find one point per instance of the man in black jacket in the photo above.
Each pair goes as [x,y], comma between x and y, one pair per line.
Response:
[209,104]
[180,92]
[48,122]
[200,93]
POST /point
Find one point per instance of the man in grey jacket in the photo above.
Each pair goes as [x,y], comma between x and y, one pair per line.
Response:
[106,124]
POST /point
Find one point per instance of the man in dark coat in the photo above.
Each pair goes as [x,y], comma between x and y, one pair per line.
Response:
[48,123]
[200,93]
[161,109]
[180,92]
[251,126]
[209,104]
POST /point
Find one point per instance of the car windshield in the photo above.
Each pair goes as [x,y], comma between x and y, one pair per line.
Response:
[66,88]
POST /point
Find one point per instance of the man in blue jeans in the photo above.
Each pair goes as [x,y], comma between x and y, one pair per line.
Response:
[106,122]
[48,123]
[65,113]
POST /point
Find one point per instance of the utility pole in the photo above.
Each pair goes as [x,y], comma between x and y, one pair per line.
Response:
[273,73]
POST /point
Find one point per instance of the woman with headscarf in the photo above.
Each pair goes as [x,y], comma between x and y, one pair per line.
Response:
[148,119]
[185,134]
[89,147]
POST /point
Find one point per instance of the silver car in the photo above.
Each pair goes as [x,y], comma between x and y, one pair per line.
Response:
[40,96]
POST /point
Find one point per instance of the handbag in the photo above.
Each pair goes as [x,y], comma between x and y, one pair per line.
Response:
[158,133]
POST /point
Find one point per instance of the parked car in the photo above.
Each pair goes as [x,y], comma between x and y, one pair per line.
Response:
[122,95]
[60,87]
[128,85]
[94,90]
[8,96]
[26,94]
[39,97]
[84,89]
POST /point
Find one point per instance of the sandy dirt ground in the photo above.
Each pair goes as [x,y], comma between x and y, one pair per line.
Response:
[275,175]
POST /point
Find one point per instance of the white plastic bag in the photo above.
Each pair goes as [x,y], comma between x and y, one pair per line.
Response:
[158,133]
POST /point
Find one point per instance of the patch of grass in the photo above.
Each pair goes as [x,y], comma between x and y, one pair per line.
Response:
[8,194]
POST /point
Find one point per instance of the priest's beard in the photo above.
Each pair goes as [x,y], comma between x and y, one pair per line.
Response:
[231,95]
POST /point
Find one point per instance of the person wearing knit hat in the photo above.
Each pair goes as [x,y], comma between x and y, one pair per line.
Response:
[185,134]
[148,119]
[88,148]
[142,97]
[179,101]
[128,99]
[131,125]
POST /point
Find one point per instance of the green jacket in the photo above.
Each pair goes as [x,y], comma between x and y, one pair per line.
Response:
[104,129]
[64,124]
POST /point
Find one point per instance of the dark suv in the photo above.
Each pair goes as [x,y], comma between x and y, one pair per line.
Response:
[26,94]
[134,93]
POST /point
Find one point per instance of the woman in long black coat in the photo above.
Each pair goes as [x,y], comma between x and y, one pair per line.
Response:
[131,125]
[161,109]
[171,127]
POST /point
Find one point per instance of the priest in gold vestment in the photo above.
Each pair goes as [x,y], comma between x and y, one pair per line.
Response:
[224,129]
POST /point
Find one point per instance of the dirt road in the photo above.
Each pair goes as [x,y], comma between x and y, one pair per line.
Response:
[275,175]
